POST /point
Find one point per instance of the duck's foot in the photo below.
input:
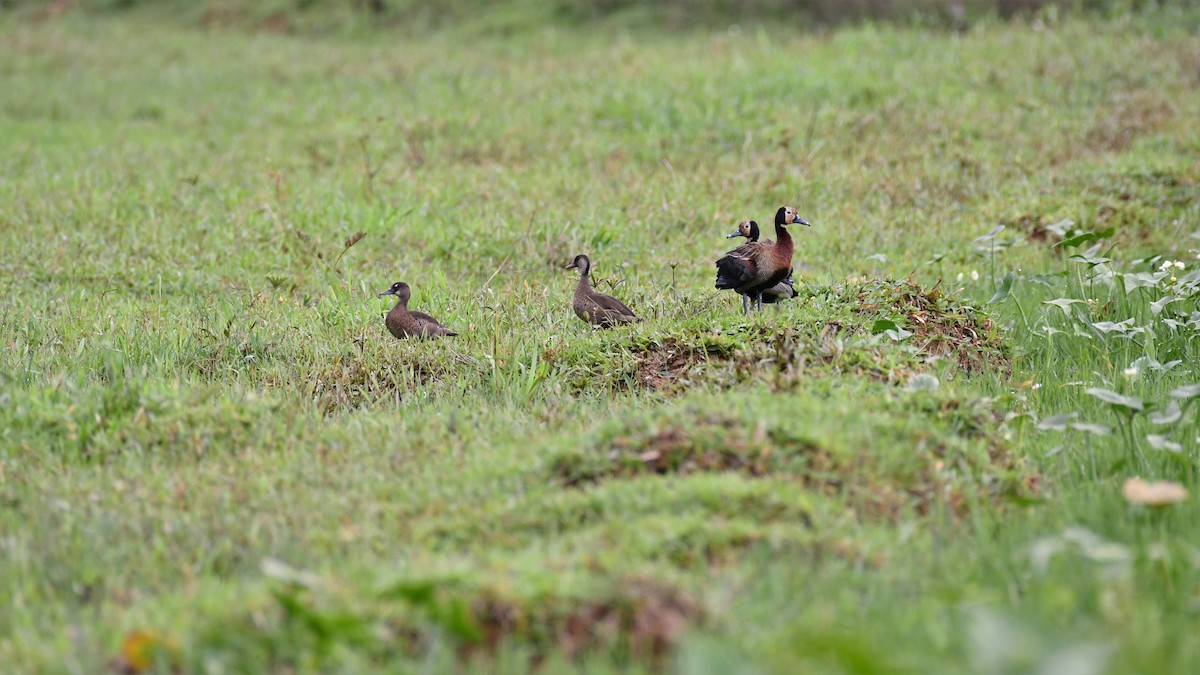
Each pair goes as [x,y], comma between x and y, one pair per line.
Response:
[746,305]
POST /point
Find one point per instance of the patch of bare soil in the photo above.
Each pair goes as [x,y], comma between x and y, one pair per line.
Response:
[643,616]
[940,325]
[662,366]
[1129,115]
[708,444]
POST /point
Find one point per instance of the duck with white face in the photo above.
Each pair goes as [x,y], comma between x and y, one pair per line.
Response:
[596,308]
[758,266]
[784,290]
[405,323]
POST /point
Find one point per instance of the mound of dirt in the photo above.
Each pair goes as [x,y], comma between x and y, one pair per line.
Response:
[941,325]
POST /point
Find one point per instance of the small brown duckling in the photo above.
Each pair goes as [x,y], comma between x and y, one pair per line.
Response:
[783,290]
[404,323]
[597,308]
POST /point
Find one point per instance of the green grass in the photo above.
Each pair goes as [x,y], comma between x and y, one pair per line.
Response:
[207,435]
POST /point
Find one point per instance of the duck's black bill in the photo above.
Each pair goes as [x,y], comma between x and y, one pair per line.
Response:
[735,234]
[387,292]
[571,266]
[803,222]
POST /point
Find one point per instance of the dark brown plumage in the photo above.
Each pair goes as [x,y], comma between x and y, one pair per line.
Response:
[404,323]
[783,290]
[597,308]
[754,267]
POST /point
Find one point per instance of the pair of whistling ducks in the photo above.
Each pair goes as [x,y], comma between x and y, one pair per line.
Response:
[761,269]
[783,290]
[758,269]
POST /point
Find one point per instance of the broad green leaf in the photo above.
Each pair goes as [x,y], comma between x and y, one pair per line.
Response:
[1090,259]
[1146,363]
[1109,326]
[1136,280]
[1004,289]
[1094,429]
[1163,443]
[1112,397]
[1157,306]
[1186,392]
[1061,228]
[1064,304]
[1081,239]
[991,235]
[882,325]
[1057,422]
[1171,415]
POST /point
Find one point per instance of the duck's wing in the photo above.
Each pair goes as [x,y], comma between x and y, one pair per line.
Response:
[430,326]
[739,266]
[612,305]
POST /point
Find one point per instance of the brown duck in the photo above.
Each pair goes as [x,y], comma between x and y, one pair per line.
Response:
[597,308]
[404,323]
[783,290]
[754,267]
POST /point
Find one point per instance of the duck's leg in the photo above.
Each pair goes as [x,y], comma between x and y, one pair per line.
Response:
[760,301]
[746,304]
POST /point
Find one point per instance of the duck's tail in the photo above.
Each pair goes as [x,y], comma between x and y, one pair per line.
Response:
[733,272]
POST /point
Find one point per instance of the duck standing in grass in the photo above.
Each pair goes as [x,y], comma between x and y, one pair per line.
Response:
[596,308]
[783,290]
[404,323]
[754,267]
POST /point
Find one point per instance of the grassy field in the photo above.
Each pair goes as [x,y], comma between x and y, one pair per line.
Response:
[214,458]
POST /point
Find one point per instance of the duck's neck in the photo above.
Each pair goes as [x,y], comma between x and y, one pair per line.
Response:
[401,303]
[585,284]
[783,243]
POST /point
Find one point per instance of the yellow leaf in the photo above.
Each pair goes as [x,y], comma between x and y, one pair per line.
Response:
[141,649]
[1158,493]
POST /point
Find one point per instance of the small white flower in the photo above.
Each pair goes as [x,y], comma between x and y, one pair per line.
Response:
[960,275]
[1165,266]
[1130,372]
[1179,265]
[1173,279]
[1036,386]
[974,275]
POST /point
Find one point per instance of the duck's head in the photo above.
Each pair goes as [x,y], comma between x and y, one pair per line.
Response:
[786,215]
[398,289]
[581,263]
[747,229]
